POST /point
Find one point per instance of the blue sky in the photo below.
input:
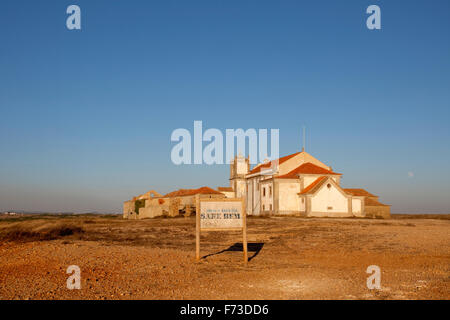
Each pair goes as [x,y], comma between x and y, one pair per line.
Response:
[86,115]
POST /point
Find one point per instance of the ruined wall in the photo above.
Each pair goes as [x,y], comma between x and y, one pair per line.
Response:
[128,209]
[170,207]
[155,207]
[174,207]
[153,211]
[381,212]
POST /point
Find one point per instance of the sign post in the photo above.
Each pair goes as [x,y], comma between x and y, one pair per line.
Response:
[197,228]
[221,215]
[244,231]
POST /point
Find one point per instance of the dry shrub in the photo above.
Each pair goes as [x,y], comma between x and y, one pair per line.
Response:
[42,233]
[420,216]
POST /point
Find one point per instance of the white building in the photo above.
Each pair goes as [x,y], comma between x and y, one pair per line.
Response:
[299,184]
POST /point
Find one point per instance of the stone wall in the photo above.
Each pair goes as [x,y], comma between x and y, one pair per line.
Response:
[155,207]
[383,212]
[174,207]
[128,209]
[170,207]
[153,211]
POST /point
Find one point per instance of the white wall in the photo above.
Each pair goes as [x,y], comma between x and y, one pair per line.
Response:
[256,197]
[288,196]
[302,203]
[298,160]
[329,202]
[240,188]
[249,196]
[307,180]
[253,199]
[267,199]
[241,166]
[356,207]
[228,194]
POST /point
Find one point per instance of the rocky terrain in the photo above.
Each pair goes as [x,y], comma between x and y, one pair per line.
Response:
[290,258]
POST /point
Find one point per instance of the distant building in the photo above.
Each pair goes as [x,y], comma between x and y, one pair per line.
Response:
[153,204]
[9,213]
[227,191]
[299,184]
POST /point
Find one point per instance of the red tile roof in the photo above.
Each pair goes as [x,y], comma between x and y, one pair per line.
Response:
[359,192]
[225,189]
[375,203]
[313,186]
[368,200]
[269,164]
[306,168]
[191,192]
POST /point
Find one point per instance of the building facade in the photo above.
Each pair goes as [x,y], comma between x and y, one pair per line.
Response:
[299,184]
[179,202]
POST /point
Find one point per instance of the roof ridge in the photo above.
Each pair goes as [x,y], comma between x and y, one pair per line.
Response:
[316,183]
[359,192]
[319,170]
[187,192]
[269,163]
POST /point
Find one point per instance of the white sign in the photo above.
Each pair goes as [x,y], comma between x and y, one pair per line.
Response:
[221,215]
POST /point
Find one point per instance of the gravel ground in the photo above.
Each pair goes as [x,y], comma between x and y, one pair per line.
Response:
[291,258]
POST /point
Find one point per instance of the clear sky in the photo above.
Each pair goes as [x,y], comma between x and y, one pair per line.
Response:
[86,115]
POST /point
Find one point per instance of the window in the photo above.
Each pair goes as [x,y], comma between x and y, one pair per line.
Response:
[264,192]
[329,185]
[270,207]
[270,192]
[303,200]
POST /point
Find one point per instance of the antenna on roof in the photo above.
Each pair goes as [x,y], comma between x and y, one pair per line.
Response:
[304,135]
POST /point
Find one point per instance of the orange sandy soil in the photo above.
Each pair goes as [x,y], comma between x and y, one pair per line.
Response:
[299,258]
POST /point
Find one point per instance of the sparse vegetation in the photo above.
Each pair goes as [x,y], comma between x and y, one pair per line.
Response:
[39,233]
[139,204]
[146,259]
[421,216]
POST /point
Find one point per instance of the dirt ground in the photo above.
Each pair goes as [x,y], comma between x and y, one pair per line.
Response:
[290,258]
